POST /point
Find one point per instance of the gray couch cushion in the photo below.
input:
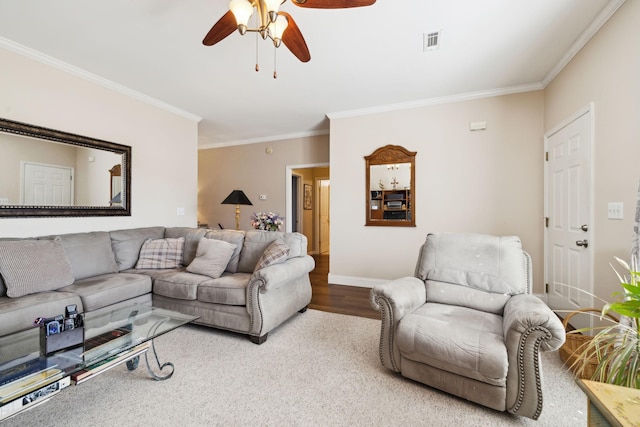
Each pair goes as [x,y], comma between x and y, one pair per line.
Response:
[489,263]
[31,266]
[449,293]
[297,243]
[255,243]
[191,236]
[153,273]
[3,288]
[232,236]
[432,335]
[90,254]
[17,314]
[230,289]
[212,257]
[179,285]
[101,291]
[126,244]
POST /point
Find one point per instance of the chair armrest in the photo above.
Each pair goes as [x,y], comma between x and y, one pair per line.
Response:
[529,328]
[394,300]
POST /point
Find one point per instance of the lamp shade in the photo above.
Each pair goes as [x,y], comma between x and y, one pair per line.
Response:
[237,197]
[242,10]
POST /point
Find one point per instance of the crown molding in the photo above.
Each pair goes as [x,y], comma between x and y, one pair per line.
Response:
[435,101]
[264,139]
[78,72]
[604,15]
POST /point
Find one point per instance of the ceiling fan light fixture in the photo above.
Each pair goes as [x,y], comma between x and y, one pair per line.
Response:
[242,10]
[276,29]
[272,6]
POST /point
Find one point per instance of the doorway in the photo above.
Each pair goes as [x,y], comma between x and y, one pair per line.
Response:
[303,202]
[296,184]
[569,221]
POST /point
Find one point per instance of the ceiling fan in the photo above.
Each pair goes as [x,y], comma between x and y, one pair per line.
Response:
[278,26]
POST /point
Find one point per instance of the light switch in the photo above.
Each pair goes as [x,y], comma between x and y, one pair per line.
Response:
[615,210]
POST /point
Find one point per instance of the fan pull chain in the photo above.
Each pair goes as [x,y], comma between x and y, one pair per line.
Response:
[275,72]
[257,66]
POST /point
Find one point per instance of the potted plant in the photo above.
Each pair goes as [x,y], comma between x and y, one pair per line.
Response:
[616,348]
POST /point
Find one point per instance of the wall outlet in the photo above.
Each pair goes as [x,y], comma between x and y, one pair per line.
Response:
[263,197]
[4,201]
[180,211]
[615,210]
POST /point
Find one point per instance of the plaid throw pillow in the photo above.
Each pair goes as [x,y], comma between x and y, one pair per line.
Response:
[161,253]
[276,252]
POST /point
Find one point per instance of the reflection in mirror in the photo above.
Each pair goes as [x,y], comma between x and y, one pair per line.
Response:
[116,185]
[390,172]
[44,172]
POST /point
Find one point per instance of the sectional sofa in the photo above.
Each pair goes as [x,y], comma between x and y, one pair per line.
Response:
[247,282]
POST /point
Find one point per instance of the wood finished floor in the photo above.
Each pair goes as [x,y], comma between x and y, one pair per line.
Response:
[352,300]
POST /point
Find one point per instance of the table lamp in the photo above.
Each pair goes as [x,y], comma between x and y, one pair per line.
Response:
[237,197]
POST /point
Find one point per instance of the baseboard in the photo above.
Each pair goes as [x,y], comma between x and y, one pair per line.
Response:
[363,282]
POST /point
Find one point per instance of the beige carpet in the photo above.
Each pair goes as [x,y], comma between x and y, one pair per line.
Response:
[318,369]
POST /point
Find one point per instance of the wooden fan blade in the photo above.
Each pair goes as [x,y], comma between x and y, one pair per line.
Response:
[221,29]
[332,4]
[293,40]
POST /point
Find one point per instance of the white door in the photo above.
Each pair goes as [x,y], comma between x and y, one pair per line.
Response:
[569,201]
[47,185]
[324,215]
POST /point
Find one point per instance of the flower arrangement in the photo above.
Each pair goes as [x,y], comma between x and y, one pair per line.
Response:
[267,221]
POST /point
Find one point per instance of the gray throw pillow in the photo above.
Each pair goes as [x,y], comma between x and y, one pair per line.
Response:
[161,253]
[212,257]
[32,266]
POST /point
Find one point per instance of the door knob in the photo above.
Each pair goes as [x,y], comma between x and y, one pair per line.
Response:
[582,243]
[584,227]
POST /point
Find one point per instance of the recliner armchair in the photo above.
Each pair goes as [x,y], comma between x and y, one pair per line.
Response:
[467,323]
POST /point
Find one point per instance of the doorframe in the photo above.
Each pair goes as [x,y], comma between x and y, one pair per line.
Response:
[288,196]
[300,216]
[316,214]
[590,110]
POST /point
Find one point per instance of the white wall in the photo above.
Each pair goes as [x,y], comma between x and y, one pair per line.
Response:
[164,144]
[485,181]
[607,72]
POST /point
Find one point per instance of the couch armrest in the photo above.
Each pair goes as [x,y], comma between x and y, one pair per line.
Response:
[529,328]
[394,300]
[276,275]
[275,292]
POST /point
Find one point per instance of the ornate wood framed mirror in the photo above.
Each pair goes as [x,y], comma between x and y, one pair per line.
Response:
[46,172]
[390,186]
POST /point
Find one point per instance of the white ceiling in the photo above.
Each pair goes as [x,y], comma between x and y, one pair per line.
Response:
[362,59]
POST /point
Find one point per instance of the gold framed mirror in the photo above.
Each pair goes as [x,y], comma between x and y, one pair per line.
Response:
[390,186]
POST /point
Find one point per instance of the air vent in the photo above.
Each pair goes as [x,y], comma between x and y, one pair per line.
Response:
[431,40]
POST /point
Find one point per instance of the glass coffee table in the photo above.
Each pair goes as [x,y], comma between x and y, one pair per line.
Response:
[111,338]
